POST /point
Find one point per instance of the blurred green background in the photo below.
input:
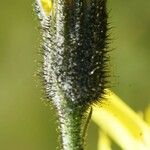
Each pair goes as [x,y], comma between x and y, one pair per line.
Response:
[25,121]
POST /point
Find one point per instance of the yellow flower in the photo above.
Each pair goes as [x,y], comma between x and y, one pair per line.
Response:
[46,6]
[122,124]
[104,142]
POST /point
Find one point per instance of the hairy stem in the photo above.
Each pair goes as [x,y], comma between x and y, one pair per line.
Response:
[74,63]
[73,122]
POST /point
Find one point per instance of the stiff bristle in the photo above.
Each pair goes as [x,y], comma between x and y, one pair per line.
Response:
[75,44]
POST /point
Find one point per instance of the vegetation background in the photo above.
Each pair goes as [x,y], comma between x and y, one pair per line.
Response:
[25,121]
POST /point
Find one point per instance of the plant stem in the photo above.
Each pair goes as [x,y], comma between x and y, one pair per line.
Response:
[72,123]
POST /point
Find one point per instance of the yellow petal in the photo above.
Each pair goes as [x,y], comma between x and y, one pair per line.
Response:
[46,6]
[121,123]
[103,141]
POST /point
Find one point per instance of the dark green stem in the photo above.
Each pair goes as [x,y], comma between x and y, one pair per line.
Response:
[75,63]
[72,123]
